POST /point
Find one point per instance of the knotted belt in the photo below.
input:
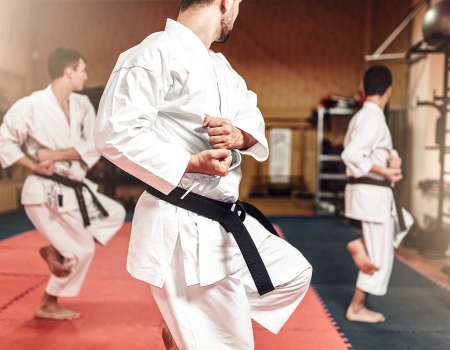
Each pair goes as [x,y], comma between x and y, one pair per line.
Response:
[231,217]
[78,187]
[383,183]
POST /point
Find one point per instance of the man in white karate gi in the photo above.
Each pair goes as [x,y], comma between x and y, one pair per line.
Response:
[177,116]
[373,166]
[56,126]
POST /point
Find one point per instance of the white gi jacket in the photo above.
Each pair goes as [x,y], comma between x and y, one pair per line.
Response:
[38,121]
[149,122]
[367,142]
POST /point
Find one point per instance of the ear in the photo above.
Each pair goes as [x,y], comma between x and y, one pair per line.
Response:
[226,5]
[68,71]
[389,91]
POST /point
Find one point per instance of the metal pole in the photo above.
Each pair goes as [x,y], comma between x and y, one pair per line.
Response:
[397,31]
[320,116]
[445,105]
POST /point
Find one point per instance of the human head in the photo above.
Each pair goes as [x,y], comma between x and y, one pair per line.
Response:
[68,63]
[377,81]
[228,8]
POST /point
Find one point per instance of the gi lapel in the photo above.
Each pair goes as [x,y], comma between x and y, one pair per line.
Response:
[59,121]
[221,87]
[73,112]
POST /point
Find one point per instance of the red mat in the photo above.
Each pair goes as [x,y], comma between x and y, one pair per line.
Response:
[118,311]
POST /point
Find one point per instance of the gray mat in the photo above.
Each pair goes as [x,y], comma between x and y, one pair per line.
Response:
[417,310]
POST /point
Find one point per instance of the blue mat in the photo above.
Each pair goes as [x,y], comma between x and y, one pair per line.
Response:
[15,222]
[417,310]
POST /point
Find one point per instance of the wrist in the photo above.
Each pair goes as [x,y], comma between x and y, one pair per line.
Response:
[54,156]
[193,164]
[379,170]
[240,140]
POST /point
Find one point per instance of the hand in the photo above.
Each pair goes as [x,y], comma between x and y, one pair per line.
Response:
[222,134]
[210,162]
[45,167]
[44,154]
[393,175]
[394,162]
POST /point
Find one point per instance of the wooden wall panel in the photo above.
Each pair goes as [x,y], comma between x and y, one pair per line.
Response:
[100,30]
[291,53]
[386,16]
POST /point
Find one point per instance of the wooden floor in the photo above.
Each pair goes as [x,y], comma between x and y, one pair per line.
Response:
[431,267]
[282,206]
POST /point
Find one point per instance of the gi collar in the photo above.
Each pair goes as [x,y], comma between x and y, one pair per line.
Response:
[190,38]
[374,107]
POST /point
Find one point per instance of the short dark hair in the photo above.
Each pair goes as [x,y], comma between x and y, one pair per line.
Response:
[377,80]
[61,58]
[185,4]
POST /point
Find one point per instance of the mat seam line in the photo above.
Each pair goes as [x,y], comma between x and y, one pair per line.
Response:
[325,307]
[18,274]
[423,274]
[333,320]
[21,295]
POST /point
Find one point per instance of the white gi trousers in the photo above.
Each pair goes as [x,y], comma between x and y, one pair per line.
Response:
[219,316]
[66,233]
[381,239]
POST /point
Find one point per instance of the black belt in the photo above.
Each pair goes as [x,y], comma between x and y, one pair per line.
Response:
[383,183]
[228,216]
[78,187]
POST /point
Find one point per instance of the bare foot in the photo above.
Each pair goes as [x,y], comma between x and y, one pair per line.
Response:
[49,309]
[168,339]
[358,251]
[364,315]
[55,261]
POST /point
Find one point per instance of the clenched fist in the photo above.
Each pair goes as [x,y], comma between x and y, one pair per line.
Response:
[45,167]
[394,162]
[394,175]
[222,134]
[210,162]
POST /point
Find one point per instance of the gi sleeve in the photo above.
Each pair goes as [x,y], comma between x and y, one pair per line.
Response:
[13,133]
[86,147]
[357,152]
[249,117]
[125,134]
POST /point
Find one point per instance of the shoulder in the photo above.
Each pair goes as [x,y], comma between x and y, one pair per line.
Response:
[150,53]
[24,105]
[220,57]
[368,118]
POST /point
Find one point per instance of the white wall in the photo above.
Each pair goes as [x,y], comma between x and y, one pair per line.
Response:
[16,62]
[16,39]
[425,77]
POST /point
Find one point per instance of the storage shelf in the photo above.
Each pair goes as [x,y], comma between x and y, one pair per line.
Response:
[326,194]
[322,196]
[329,176]
[330,158]
[340,111]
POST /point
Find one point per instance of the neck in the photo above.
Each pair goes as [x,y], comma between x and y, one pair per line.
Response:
[380,101]
[62,90]
[203,21]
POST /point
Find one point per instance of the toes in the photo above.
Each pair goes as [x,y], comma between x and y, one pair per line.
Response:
[74,317]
